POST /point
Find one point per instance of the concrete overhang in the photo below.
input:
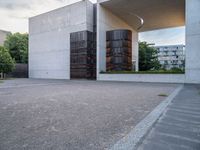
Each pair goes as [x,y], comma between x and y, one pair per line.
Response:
[156,14]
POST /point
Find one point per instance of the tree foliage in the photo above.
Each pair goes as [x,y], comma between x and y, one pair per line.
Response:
[148,59]
[17,44]
[6,61]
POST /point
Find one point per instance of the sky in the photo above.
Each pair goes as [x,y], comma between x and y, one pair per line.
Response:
[170,36]
[14,16]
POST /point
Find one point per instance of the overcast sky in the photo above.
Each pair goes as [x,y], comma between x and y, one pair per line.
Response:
[14,16]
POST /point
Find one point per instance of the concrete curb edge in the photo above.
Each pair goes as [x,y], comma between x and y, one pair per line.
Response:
[131,141]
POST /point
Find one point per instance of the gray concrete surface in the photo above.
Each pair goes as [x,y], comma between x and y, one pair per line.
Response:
[192,32]
[179,127]
[61,114]
[49,39]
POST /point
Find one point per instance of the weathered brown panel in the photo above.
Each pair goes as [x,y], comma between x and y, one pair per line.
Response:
[83,55]
[119,50]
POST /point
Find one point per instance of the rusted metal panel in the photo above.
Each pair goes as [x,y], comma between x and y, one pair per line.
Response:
[83,55]
[119,50]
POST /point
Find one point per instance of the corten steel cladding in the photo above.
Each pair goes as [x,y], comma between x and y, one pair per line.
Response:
[119,50]
[83,55]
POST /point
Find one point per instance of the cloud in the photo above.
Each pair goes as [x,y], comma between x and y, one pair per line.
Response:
[14,4]
[14,16]
[18,6]
[170,36]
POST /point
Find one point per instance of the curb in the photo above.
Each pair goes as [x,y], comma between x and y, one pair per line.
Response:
[131,141]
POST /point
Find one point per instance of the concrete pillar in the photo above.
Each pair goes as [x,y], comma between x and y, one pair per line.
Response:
[192,41]
[135,55]
[106,21]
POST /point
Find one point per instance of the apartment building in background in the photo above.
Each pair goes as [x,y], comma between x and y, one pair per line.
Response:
[171,56]
[3,35]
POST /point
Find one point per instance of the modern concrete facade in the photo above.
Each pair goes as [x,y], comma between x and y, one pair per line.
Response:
[49,48]
[159,14]
[49,40]
[192,41]
[171,56]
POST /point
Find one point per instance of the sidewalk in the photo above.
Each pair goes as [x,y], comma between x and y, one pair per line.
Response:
[179,127]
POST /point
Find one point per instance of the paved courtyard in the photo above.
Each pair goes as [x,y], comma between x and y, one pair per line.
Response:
[73,115]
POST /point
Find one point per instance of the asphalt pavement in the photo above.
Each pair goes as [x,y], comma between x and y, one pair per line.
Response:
[73,115]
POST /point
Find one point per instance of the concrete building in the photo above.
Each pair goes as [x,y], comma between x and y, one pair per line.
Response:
[49,44]
[3,35]
[171,56]
[49,39]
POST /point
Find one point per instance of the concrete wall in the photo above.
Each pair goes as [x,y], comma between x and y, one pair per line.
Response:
[20,71]
[193,41]
[156,78]
[49,39]
[106,20]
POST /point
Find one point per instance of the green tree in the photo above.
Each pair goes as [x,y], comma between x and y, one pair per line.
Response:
[17,44]
[6,61]
[148,59]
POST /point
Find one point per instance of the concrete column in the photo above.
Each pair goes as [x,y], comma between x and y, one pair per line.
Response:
[192,41]
[135,50]
[106,21]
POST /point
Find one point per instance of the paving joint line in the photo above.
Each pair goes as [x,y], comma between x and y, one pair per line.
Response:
[29,85]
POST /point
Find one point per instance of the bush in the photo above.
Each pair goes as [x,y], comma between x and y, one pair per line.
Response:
[176,69]
[144,72]
[6,61]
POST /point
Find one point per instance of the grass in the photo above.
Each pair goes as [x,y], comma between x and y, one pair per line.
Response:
[144,72]
[163,95]
[1,81]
